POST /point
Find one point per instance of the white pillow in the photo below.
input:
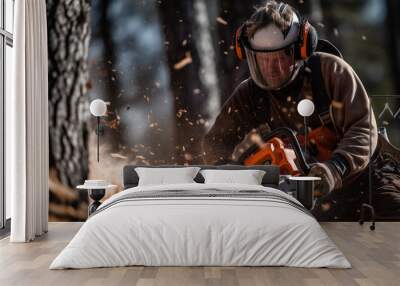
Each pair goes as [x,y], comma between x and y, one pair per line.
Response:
[162,176]
[248,177]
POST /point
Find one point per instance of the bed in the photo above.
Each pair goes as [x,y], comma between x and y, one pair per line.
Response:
[201,224]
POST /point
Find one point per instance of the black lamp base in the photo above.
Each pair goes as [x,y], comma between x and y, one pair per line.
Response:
[305,193]
[362,217]
[96,195]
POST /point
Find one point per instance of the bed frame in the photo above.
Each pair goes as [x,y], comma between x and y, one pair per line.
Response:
[270,179]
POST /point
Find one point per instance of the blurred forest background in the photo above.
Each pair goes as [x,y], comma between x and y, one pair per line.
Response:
[166,67]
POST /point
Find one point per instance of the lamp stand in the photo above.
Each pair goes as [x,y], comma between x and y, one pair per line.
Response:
[305,137]
[98,137]
[369,206]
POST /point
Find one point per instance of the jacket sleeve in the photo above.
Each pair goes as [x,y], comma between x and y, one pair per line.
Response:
[352,115]
[230,127]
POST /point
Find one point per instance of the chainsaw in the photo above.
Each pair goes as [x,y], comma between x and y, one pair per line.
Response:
[292,160]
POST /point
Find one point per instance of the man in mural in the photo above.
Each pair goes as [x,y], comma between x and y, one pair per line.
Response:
[280,49]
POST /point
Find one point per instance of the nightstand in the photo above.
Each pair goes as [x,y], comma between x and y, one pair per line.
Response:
[96,191]
[288,186]
[305,189]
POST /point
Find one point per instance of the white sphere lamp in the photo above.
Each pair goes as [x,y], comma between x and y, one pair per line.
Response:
[98,108]
[305,108]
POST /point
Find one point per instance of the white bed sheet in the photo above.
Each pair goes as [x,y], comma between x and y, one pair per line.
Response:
[200,231]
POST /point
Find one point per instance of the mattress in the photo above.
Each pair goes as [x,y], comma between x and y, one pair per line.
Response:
[201,225]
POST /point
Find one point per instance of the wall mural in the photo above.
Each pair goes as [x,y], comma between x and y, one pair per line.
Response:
[169,75]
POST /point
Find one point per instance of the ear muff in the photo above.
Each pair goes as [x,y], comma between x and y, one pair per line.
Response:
[308,36]
[308,40]
[282,7]
[239,49]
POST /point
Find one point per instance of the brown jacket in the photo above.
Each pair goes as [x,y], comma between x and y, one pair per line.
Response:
[248,108]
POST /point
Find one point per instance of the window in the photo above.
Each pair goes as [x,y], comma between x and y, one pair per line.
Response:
[6,44]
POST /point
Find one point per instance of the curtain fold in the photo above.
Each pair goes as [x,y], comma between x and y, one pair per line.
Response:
[27,123]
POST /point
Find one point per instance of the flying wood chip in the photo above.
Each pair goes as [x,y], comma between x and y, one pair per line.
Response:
[184,62]
[222,21]
[116,155]
[337,104]
[188,157]
[113,124]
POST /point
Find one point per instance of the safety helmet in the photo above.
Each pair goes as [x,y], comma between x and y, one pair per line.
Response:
[274,56]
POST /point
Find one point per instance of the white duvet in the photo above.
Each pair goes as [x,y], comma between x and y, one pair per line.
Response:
[200,231]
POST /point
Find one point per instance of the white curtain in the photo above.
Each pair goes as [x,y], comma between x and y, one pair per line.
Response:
[27,124]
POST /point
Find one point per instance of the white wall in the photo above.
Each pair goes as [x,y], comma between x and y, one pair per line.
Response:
[8,86]
[9,27]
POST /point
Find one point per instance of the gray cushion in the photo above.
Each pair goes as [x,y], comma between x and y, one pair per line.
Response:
[270,179]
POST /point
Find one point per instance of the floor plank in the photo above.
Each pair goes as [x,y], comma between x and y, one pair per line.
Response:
[374,255]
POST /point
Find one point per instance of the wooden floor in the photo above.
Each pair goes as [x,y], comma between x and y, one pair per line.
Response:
[375,257]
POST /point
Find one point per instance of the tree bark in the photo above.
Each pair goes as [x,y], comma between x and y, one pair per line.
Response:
[68,24]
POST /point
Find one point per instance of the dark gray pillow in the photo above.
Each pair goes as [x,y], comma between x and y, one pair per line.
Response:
[270,179]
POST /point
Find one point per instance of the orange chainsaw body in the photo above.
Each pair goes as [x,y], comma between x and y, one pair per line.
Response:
[275,152]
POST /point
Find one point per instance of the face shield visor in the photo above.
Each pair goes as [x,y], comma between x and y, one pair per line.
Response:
[270,55]
[272,69]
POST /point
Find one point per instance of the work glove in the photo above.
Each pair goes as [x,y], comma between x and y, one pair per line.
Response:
[330,178]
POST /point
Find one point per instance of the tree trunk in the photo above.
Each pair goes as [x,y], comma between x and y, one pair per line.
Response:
[177,20]
[68,24]
[111,79]
[206,44]
[231,71]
